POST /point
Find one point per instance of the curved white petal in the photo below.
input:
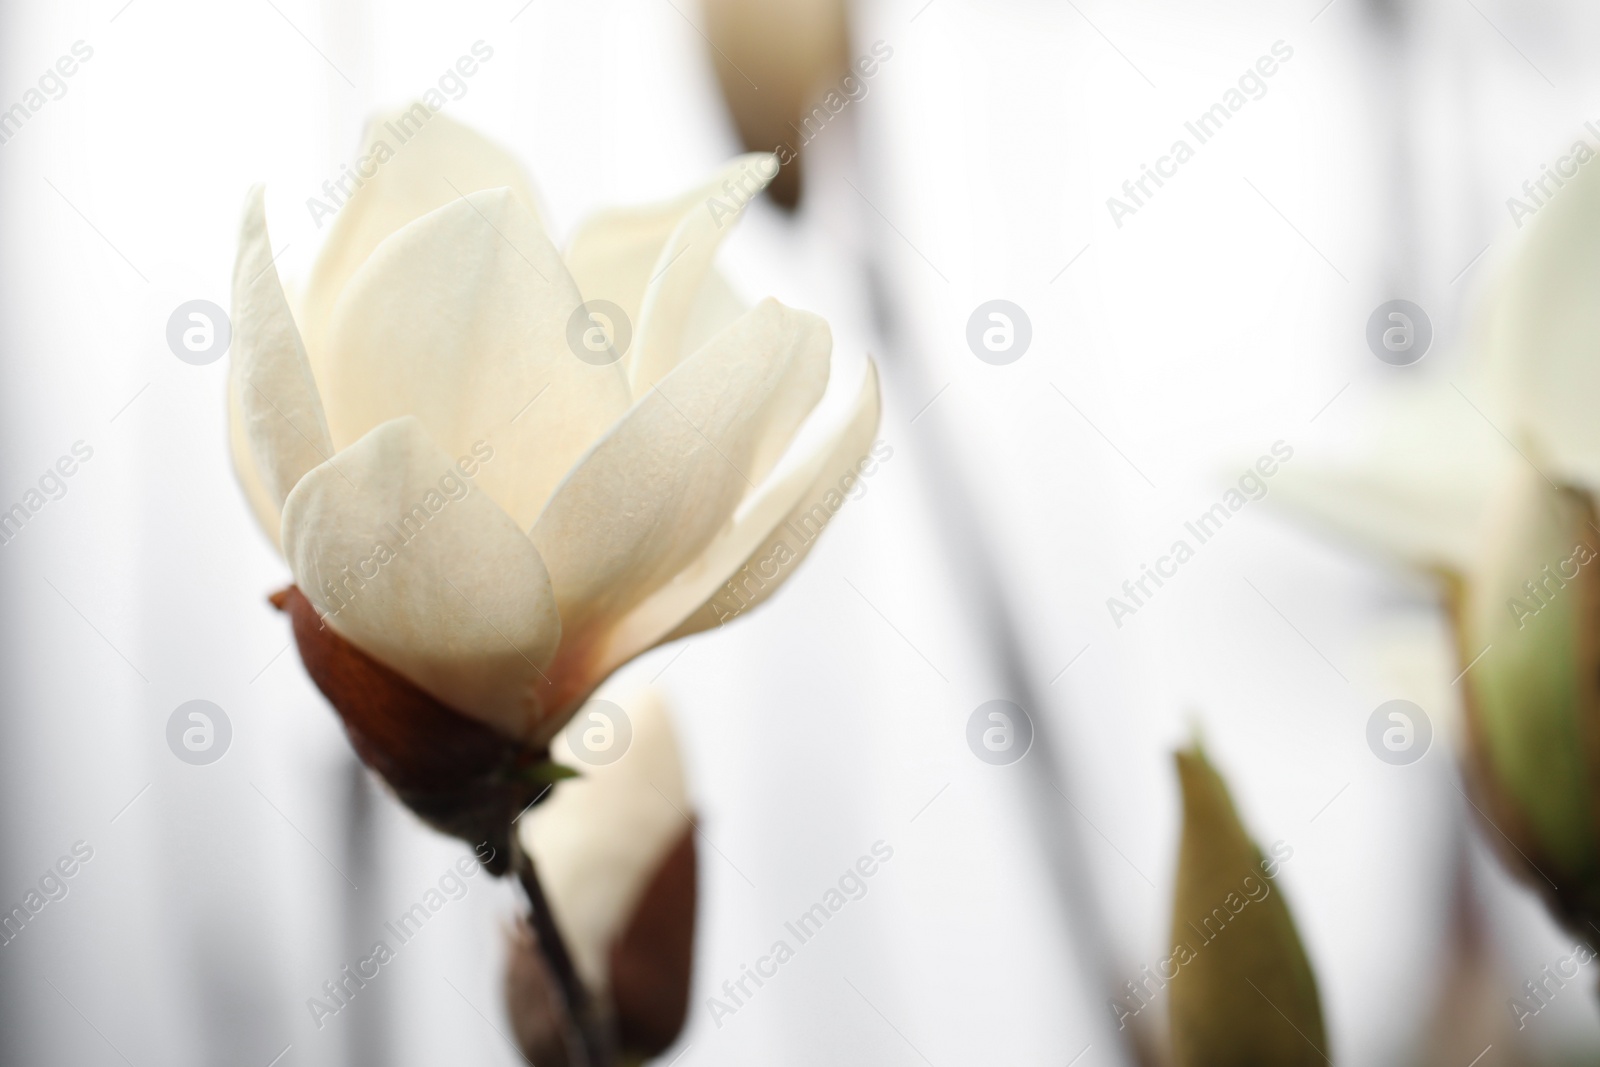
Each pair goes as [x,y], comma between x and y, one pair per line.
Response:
[1395,516]
[616,254]
[461,319]
[418,161]
[684,264]
[1544,332]
[600,839]
[409,562]
[715,308]
[273,397]
[262,506]
[1417,492]
[754,556]
[657,489]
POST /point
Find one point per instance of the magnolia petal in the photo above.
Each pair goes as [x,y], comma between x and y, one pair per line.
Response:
[715,308]
[1417,492]
[615,255]
[1419,522]
[462,319]
[753,557]
[418,161]
[262,506]
[1544,332]
[408,561]
[600,838]
[657,489]
[684,264]
[275,401]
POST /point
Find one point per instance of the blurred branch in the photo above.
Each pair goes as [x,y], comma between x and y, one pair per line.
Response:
[1059,839]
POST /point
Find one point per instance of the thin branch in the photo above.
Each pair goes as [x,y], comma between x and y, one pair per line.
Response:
[588,1027]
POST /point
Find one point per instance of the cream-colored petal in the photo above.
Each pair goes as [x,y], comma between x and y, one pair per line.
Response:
[275,398]
[262,506]
[658,488]
[715,308]
[1418,488]
[1544,332]
[684,264]
[461,319]
[417,162]
[1401,520]
[615,255]
[600,839]
[765,544]
[421,570]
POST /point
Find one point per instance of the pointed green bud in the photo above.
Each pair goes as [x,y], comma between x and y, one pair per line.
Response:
[1244,994]
[1529,614]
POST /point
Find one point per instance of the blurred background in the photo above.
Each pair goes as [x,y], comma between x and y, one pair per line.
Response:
[1169,348]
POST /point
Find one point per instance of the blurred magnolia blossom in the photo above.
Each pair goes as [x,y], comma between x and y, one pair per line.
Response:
[499,472]
[777,61]
[1490,485]
[616,856]
[1421,493]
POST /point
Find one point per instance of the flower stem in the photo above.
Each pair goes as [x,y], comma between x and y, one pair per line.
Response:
[589,1028]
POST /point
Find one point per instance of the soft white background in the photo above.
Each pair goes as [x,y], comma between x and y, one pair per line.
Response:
[1165,359]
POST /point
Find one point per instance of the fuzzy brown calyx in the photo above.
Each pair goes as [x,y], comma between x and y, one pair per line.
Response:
[458,775]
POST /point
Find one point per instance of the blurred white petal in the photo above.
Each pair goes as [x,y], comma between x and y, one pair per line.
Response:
[1543,338]
[1418,491]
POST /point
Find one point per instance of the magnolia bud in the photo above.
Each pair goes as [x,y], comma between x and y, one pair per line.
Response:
[1529,615]
[796,51]
[614,852]
[1243,993]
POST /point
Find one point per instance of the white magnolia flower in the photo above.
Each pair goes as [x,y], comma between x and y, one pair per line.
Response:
[466,500]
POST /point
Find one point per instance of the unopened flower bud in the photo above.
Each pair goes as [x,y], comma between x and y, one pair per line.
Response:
[1243,991]
[1529,615]
[615,854]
